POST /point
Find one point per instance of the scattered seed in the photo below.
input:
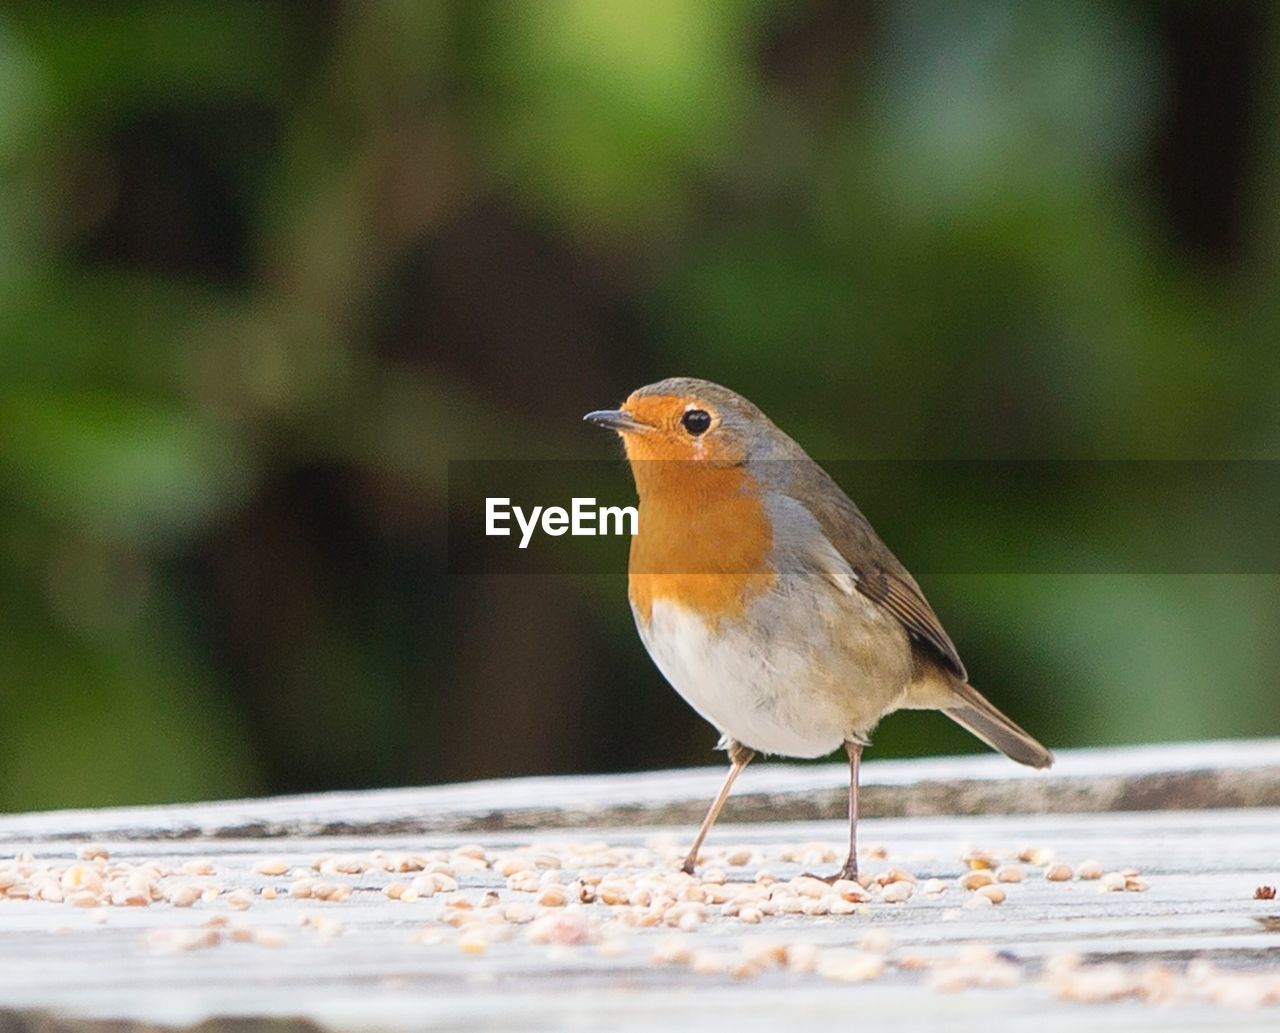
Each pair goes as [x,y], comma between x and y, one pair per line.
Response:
[553,896]
[850,966]
[897,892]
[993,893]
[184,895]
[1089,870]
[977,879]
[1058,872]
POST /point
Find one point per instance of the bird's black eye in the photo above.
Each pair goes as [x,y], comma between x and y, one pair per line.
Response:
[696,421]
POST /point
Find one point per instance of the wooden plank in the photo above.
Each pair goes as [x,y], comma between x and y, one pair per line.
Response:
[90,970]
[1202,868]
[1242,773]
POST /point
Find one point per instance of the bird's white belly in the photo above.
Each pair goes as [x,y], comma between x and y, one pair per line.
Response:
[759,694]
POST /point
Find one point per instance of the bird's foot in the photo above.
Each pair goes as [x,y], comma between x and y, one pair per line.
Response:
[849,872]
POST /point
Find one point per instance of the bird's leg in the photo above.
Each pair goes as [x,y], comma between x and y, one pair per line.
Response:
[850,869]
[739,757]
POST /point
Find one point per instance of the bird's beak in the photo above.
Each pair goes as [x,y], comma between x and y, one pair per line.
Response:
[617,419]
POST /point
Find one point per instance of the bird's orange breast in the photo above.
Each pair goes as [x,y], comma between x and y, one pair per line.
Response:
[703,539]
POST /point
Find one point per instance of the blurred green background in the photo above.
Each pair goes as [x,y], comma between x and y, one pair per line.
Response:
[265,267]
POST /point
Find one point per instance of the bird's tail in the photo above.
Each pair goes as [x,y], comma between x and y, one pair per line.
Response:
[973,712]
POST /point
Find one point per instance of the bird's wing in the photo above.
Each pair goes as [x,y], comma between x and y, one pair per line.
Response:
[876,571]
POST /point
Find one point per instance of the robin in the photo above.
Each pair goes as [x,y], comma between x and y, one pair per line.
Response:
[768,601]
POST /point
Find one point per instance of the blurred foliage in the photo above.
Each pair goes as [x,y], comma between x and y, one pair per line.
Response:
[266,265]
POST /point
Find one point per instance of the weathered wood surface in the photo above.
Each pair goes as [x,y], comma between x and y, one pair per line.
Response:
[1243,773]
[70,968]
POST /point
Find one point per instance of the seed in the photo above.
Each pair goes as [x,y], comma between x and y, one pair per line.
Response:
[840,906]
[184,895]
[802,957]
[553,896]
[1058,872]
[977,879]
[750,915]
[978,900]
[897,892]
[1009,873]
[847,889]
[473,941]
[895,875]
[671,951]
[715,876]
[84,898]
[877,941]
[977,859]
[509,865]
[301,888]
[717,894]
[993,893]
[1112,882]
[394,890]
[240,900]
[269,938]
[174,941]
[709,963]
[199,867]
[1039,856]
[935,886]
[1134,884]
[326,927]
[689,921]
[1089,870]
[764,876]
[738,857]
[269,893]
[612,947]
[876,851]
[816,907]
[272,866]
[809,887]
[850,966]
[81,877]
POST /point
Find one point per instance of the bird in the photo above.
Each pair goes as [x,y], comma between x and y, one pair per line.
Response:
[767,600]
